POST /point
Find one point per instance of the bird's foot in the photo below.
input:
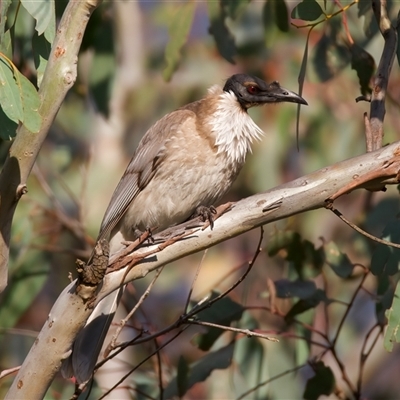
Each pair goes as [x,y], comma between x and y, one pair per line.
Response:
[149,231]
[206,214]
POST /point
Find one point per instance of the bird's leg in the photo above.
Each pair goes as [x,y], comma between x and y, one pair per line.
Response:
[206,214]
[150,238]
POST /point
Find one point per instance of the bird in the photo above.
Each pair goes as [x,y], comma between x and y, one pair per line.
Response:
[184,163]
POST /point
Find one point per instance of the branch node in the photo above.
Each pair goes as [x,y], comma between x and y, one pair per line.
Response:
[21,190]
[90,276]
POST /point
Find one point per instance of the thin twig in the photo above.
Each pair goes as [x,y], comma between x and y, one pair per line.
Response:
[237,283]
[301,323]
[194,280]
[365,354]
[123,321]
[159,375]
[143,361]
[346,313]
[359,230]
[246,332]
[381,80]
[181,321]
[289,371]
[9,371]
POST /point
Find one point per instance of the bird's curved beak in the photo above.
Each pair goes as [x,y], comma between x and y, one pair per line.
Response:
[274,93]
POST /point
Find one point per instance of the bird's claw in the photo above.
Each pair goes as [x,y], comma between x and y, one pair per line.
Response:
[206,214]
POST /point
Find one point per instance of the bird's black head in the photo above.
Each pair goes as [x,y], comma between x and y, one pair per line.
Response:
[252,91]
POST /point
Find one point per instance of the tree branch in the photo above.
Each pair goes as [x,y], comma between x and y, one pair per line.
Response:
[378,110]
[310,192]
[59,77]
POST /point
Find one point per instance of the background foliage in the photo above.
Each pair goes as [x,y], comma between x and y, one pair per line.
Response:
[318,286]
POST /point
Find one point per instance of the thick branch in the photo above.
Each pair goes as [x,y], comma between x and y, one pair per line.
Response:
[69,313]
[59,77]
[378,110]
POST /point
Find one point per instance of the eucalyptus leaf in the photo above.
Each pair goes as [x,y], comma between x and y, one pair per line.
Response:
[8,128]
[5,38]
[10,97]
[386,259]
[223,312]
[179,29]
[201,370]
[287,289]
[322,383]
[392,334]
[219,30]
[16,298]
[43,11]
[363,63]
[41,52]
[338,261]
[307,10]
[31,103]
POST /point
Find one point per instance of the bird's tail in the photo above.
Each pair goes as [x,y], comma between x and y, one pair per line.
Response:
[88,343]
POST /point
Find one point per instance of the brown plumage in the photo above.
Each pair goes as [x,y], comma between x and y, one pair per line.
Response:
[188,159]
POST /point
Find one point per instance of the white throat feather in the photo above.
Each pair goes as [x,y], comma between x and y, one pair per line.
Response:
[233,127]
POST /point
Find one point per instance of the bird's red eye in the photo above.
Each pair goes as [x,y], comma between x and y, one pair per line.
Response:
[252,89]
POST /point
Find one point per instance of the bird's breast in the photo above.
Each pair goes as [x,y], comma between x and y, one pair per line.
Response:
[177,189]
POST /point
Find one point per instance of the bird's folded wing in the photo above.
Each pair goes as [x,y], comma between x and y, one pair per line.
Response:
[143,166]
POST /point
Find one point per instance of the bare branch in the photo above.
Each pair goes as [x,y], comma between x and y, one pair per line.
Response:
[245,332]
[364,233]
[59,77]
[378,110]
[123,322]
[304,194]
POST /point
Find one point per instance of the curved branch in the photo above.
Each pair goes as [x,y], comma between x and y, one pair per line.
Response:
[378,110]
[309,192]
[59,77]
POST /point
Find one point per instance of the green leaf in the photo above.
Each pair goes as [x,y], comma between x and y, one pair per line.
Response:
[281,15]
[363,63]
[18,97]
[6,44]
[182,376]
[307,304]
[10,99]
[392,334]
[178,30]
[8,128]
[102,71]
[41,51]
[338,261]
[398,44]
[385,293]
[307,10]
[16,299]
[363,7]
[5,38]
[234,8]
[275,11]
[386,259]
[31,103]
[218,29]
[306,259]
[43,11]
[287,289]
[330,55]
[199,372]
[101,80]
[370,27]
[322,383]
[223,312]
[249,357]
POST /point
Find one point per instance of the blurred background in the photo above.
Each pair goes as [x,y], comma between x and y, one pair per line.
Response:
[124,86]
